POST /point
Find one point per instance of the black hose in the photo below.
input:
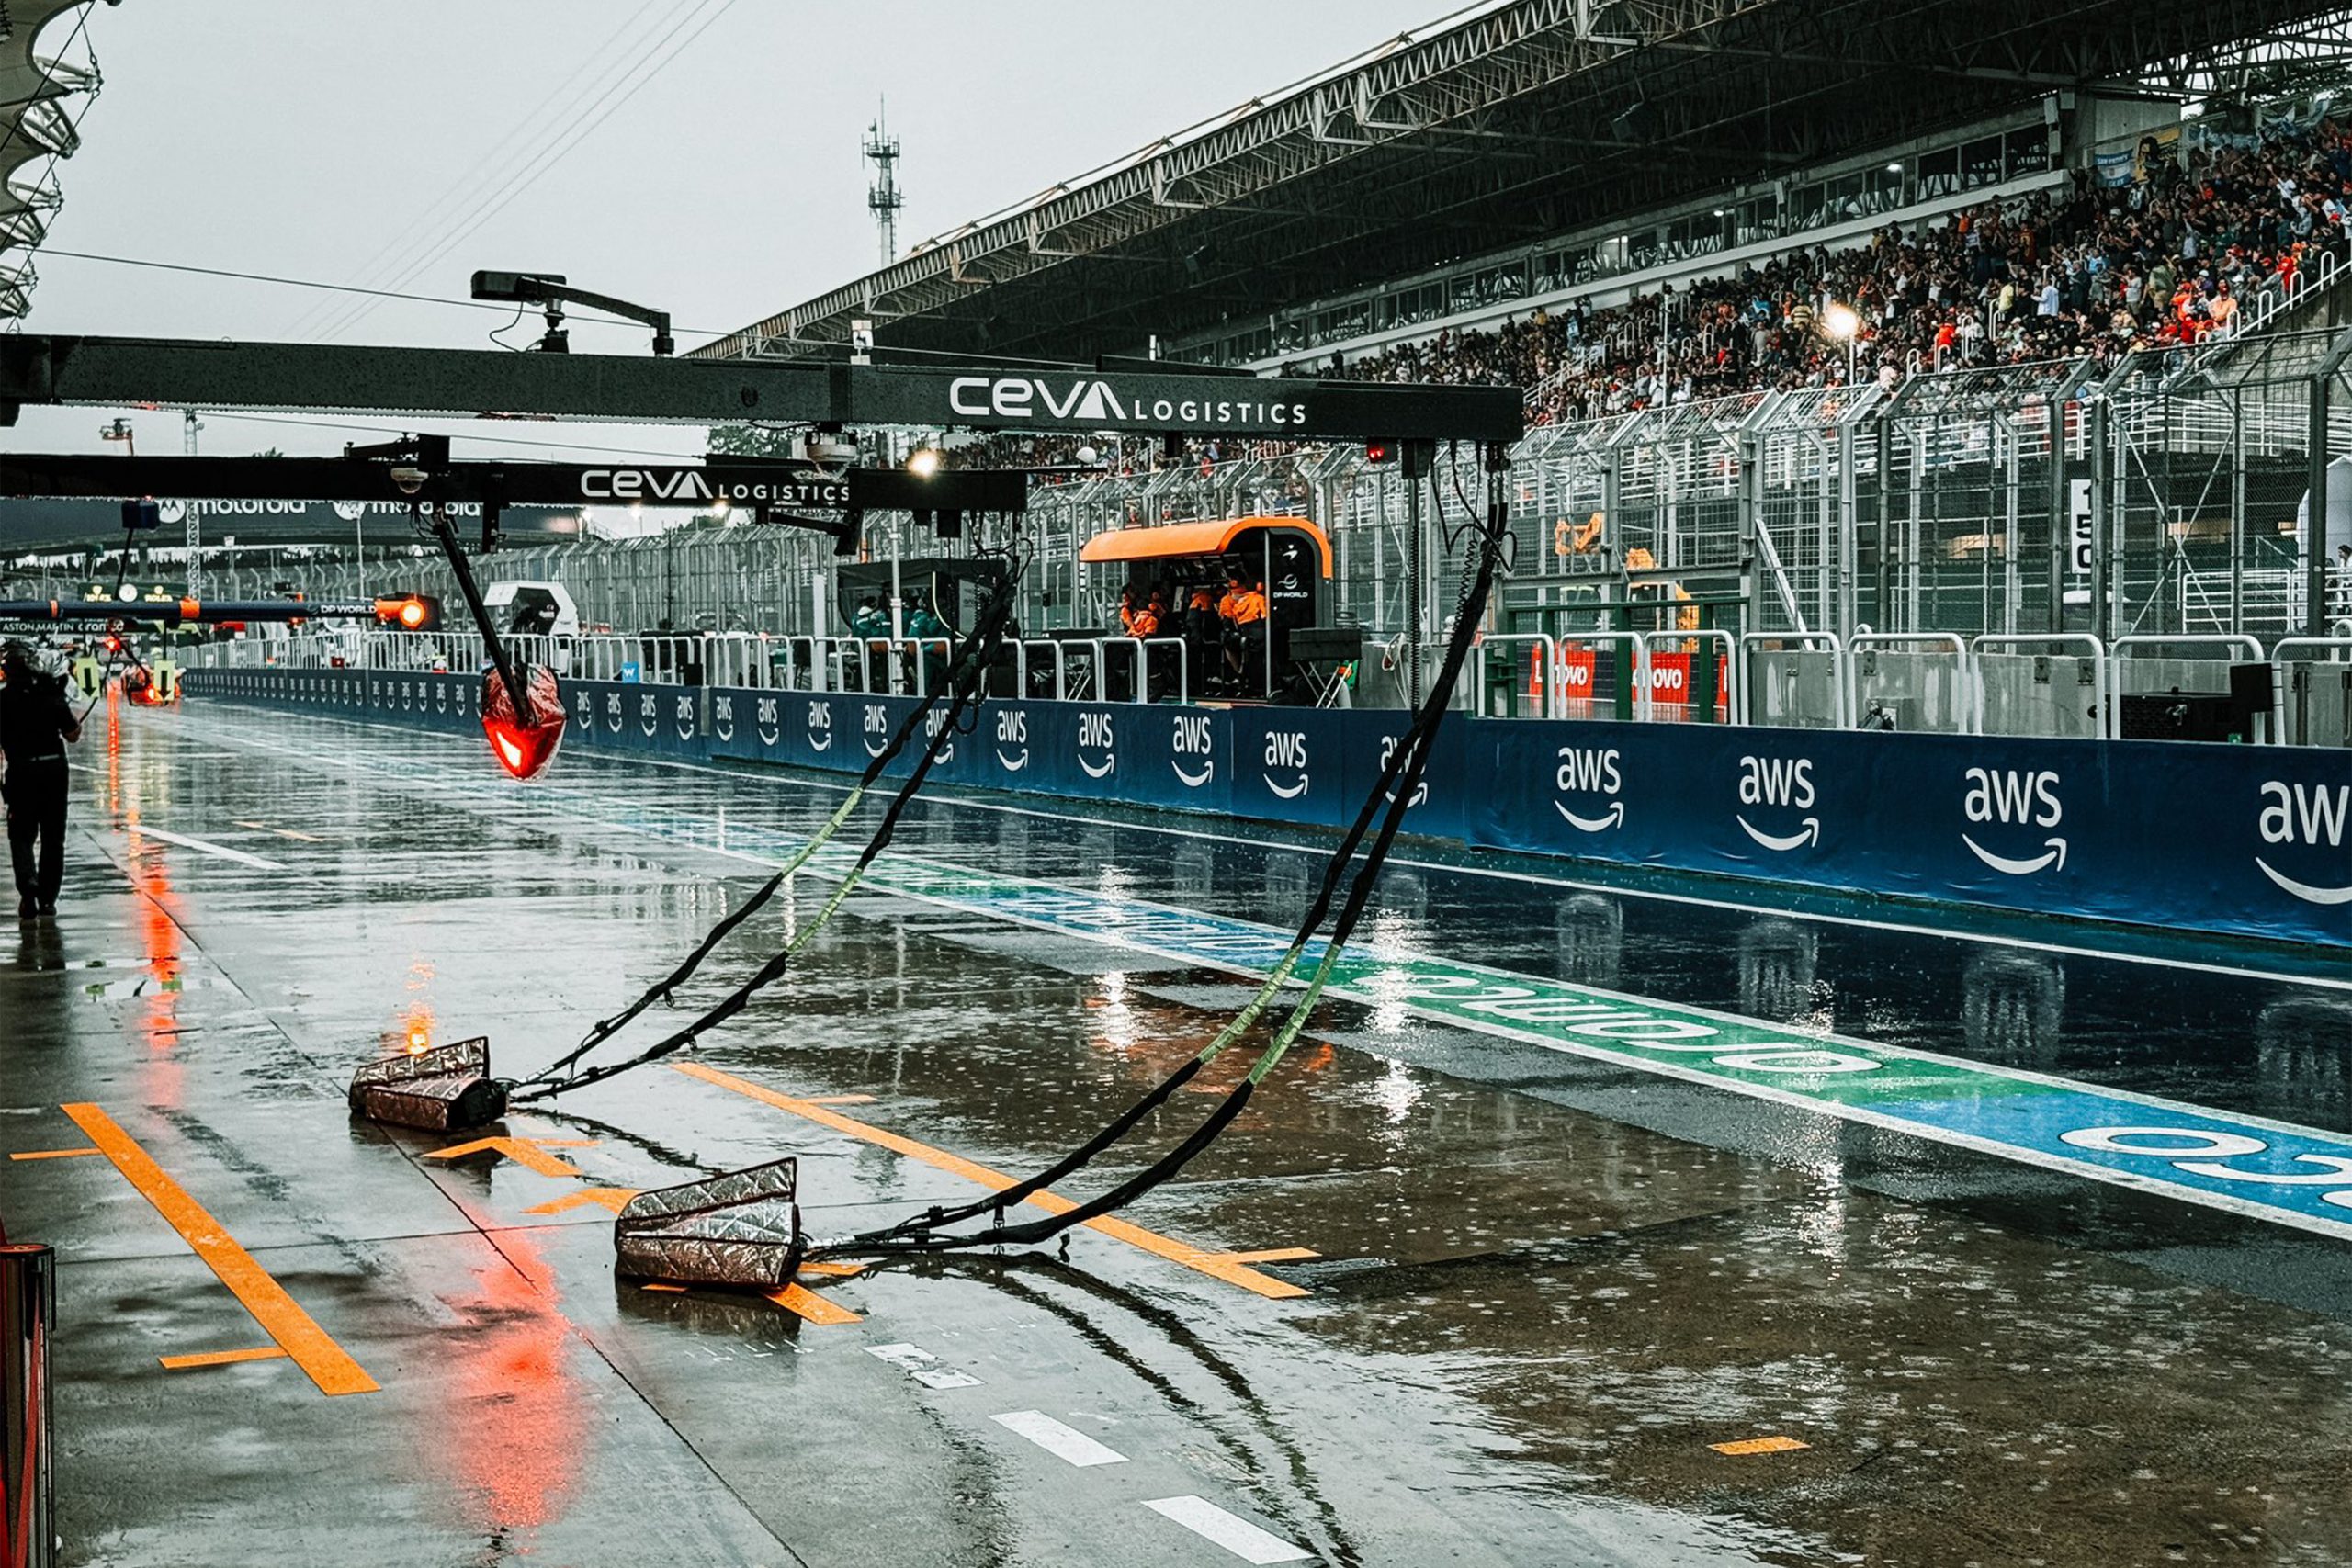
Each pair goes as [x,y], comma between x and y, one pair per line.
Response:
[1400,777]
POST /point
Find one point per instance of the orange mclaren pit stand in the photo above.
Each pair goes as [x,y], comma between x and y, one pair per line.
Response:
[1281,564]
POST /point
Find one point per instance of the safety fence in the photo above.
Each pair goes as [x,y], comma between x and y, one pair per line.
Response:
[2250,841]
[2298,691]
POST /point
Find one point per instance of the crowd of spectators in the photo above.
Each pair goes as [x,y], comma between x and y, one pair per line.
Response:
[2176,254]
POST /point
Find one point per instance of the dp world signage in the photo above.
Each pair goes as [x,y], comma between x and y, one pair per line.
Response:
[1020,398]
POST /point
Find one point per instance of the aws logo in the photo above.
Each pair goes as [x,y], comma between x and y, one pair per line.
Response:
[876,730]
[1784,782]
[933,722]
[820,726]
[2309,815]
[1095,735]
[1194,741]
[1421,790]
[648,715]
[722,718]
[2014,796]
[1590,770]
[615,716]
[684,718]
[1286,753]
[767,721]
[1012,729]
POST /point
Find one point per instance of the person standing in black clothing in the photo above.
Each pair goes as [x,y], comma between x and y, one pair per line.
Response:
[36,723]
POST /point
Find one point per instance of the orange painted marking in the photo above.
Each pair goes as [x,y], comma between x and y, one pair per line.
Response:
[221,1358]
[530,1153]
[807,1303]
[55,1154]
[841,1099]
[1267,1255]
[326,1362]
[1759,1446]
[833,1270]
[612,1198]
[665,1289]
[1217,1265]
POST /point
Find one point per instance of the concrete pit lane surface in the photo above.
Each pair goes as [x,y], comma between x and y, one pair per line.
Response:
[1450,1291]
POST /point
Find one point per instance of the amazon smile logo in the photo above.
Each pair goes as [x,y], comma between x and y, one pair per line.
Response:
[1286,751]
[1590,770]
[1784,782]
[2026,798]
[820,726]
[1196,741]
[1094,734]
[875,733]
[2312,816]
[1012,729]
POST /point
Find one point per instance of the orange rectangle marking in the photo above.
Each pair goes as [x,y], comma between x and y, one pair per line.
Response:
[222,1357]
[809,1304]
[326,1362]
[1217,1265]
[1759,1446]
[56,1154]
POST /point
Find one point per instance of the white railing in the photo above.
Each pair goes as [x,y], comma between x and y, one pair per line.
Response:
[2006,645]
[1728,687]
[1753,643]
[2085,678]
[1968,699]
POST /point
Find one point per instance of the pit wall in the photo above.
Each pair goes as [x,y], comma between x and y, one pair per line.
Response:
[2249,842]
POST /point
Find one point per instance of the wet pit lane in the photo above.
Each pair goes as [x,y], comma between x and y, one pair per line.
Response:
[1438,1296]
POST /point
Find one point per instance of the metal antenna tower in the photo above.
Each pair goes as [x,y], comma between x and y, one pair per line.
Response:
[883,200]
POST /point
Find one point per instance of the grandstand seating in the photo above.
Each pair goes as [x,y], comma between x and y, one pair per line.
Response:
[2190,248]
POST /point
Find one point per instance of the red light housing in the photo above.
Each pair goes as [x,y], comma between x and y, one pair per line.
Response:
[524,744]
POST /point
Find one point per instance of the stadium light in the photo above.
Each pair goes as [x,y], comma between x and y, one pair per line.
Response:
[1843,325]
[924,462]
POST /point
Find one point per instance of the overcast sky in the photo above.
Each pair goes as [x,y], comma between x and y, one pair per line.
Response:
[346,142]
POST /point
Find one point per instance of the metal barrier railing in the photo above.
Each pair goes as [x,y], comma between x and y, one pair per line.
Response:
[1728,688]
[1968,699]
[28,1453]
[2000,645]
[2026,683]
[1841,715]
[2313,714]
[1546,672]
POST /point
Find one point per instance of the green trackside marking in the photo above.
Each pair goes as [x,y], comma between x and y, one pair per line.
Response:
[2294,1176]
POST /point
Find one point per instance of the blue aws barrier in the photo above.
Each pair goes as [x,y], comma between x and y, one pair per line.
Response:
[2249,841]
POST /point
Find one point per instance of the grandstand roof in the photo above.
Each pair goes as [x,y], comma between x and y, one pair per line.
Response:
[36,130]
[1498,125]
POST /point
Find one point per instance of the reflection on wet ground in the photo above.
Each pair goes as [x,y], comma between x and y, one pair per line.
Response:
[1533,1314]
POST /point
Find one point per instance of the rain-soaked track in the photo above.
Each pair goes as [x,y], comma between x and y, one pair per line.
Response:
[1542,1285]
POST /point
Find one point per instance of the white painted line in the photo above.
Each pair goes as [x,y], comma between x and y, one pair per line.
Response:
[1237,1536]
[142,830]
[1069,1443]
[922,1366]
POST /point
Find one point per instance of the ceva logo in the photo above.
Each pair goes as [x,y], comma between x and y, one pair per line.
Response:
[1287,750]
[1192,739]
[876,731]
[1012,729]
[820,726]
[2015,796]
[1590,770]
[1095,735]
[1779,780]
[2311,815]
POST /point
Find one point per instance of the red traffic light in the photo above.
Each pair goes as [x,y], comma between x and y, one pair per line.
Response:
[409,612]
[1380,451]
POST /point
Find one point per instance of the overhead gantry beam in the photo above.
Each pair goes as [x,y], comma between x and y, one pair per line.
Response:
[474,383]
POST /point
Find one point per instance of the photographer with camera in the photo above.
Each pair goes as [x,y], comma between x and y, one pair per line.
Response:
[35,725]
